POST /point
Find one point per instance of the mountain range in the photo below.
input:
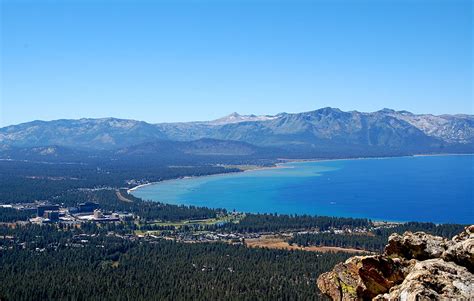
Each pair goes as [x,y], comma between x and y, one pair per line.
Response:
[327,132]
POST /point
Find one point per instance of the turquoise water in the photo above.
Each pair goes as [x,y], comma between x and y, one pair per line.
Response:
[437,189]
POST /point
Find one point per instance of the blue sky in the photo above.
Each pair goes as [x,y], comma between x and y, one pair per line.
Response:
[198,60]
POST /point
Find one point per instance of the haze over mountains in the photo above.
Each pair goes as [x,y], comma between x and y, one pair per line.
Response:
[327,132]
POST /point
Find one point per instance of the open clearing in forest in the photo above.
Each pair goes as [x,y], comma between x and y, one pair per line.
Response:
[278,242]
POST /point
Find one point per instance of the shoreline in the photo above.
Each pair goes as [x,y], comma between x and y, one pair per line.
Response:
[290,161]
[277,165]
[369,158]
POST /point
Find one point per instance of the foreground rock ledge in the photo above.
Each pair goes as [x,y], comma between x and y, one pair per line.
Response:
[414,266]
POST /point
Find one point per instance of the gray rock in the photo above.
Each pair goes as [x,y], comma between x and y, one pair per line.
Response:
[434,279]
[417,245]
[461,249]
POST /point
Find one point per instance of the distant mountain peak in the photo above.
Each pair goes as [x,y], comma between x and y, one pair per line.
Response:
[237,118]
[387,111]
[326,110]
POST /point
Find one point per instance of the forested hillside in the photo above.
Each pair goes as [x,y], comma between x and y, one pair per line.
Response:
[68,266]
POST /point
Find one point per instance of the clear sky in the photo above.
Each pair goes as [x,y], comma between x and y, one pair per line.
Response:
[199,60]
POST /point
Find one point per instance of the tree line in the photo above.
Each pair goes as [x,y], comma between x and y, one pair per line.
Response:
[376,240]
[282,222]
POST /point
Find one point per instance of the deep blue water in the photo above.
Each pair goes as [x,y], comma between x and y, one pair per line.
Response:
[437,189]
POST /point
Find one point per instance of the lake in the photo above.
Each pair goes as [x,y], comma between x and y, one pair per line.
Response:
[423,188]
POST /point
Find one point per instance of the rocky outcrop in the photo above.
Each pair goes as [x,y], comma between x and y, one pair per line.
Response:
[414,266]
[422,246]
[363,276]
[461,249]
[417,245]
[434,279]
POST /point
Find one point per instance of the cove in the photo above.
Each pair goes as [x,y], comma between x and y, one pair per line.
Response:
[421,188]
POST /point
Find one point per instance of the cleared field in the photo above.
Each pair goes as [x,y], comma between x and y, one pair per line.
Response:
[278,242]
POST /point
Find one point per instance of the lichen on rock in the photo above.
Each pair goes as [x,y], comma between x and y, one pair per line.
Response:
[414,266]
[362,276]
